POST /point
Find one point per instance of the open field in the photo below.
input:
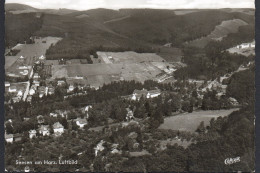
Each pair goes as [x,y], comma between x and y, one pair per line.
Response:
[190,121]
[128,57]
[10,60]
[220,31]
[98,74]
[113,67]
[38,48]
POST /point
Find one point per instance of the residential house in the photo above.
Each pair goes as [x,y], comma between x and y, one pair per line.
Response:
[17,137]
[51,90]
[168,45]
[53,115]
[37,83]
[21,57]
[137,94]
[32,133]
[99,147]
[44,130]
[32,90]
[16,99]
[71,88]
[61,82]
[42,91]
[129,115]
[29,99]
[12,89]
[153,93]
[7,84]
[42,57]
[58,129]
[36,76]
[20,93]
[81,122]
[9,138]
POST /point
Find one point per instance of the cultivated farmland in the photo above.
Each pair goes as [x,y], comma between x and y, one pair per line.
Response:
[190,121]
[114,67]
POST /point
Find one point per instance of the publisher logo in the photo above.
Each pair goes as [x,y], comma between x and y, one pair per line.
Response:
[230,161]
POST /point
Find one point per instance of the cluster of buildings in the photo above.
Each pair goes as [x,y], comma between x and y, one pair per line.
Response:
[137,94]
[246,45]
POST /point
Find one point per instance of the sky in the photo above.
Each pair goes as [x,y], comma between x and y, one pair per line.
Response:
[117,4]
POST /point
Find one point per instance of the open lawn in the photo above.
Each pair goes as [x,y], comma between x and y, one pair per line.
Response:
[190,121]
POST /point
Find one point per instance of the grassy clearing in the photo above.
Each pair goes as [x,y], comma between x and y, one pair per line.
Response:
[190,121]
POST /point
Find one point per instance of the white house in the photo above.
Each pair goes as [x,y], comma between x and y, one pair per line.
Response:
[12,89]
[20,93]
[71,88]
[21,57]
[58,129]
[153,93]
[7,84]
[9,138]
[40,119]
[81,122]
[36,76]
[31,91]
[32,133]
[87,108]
[36,83]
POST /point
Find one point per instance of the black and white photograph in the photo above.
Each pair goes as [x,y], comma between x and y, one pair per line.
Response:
[129,86]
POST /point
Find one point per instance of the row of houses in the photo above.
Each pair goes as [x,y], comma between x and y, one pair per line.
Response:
[44,130]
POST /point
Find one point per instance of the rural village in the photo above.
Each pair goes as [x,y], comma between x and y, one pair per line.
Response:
[114,108]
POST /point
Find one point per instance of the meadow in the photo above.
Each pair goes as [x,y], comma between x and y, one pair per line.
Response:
[190,121]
